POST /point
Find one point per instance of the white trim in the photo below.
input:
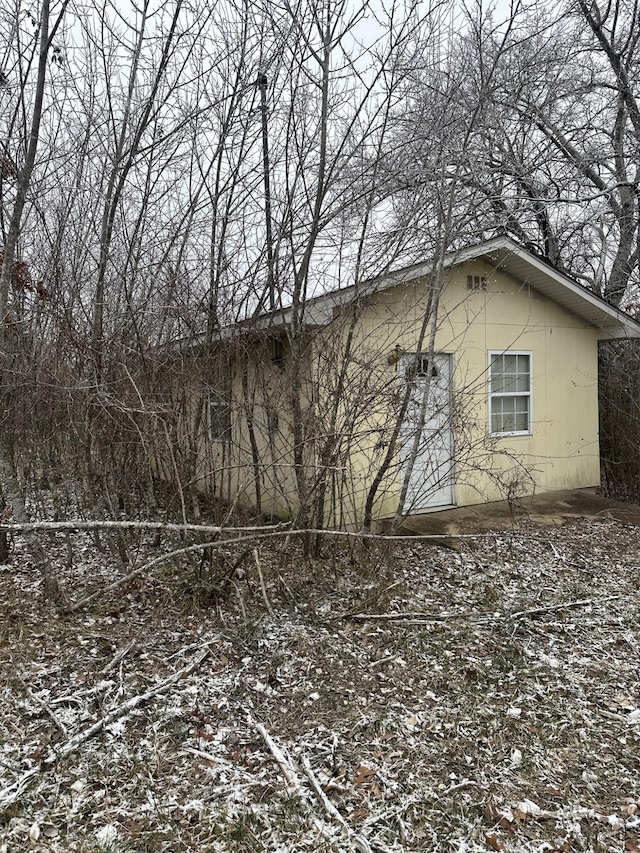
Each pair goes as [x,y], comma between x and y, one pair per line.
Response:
[505,255]
[490,394]
[425,502]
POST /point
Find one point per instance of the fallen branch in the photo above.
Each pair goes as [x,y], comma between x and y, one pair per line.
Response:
[118,657]
[217,760]
[328,806]
[44,707]
[565,605]
[12,792]
[187,549]
[190,549]
[284,762]
[283,529]
[403,616]
[416,618]
[163,558]
[108,524]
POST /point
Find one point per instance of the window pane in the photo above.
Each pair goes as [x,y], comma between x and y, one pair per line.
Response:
[510,414]
[509,363]
[521,422]
[510,374]
[497,375]
[523,372]
[510,383]
[219,417]
[497,414]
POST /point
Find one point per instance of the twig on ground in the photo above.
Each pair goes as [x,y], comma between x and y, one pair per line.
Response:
[11,793]
[44,706]
[401,616]
[384,660]
[328,806]
[564,605]
[160,526]
[284,762]
[360,844]
[118,657]
[556,552]
[462,786]
[223,762]
[163,558]
[408,618]
[256,557]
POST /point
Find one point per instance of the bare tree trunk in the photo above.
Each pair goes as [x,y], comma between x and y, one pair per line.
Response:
[249,410]
[10,487]
[15,500]
[123,160]
[436,290]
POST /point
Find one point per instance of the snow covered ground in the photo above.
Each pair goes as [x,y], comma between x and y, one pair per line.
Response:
[409,698]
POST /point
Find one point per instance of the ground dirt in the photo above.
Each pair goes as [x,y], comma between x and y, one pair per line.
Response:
[402,697]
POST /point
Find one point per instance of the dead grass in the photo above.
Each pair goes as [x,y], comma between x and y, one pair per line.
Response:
[473,730]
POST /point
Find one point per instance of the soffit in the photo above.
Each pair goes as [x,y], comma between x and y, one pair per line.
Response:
[534,272]
[504,254]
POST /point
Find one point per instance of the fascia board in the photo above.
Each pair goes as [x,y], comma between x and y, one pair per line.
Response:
[612,323]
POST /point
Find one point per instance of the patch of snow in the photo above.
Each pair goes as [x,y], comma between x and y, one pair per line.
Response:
[107,836]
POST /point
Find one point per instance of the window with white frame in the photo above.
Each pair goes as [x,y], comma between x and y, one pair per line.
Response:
[510,393]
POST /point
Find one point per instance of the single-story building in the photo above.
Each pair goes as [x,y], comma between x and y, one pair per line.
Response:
[439,385]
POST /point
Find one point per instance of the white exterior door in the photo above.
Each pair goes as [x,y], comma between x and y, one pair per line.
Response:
[431,478]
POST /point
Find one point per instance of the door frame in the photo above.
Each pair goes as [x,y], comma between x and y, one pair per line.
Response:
[402,364]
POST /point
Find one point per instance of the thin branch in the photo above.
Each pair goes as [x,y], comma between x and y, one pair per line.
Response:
[263,588]
[416,618]
[566,605]
[12,792]
[79,524]
[403,616]
[285,763]
[265,531]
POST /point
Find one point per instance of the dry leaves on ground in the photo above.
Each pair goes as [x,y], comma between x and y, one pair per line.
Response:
[499,718]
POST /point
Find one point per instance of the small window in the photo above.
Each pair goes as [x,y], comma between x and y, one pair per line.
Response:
[219,417]
[219,404]
[424,368]
[476,282]
[510,393]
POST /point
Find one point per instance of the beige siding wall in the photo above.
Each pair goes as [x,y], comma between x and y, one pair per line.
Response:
[259,447]
[562,451]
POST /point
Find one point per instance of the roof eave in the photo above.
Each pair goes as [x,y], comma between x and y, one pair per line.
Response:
[612,323]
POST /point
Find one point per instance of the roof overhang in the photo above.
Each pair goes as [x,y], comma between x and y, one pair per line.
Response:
[509,257]
[503,254]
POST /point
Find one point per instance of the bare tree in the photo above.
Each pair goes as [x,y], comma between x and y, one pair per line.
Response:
[11,489]
[557,154]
